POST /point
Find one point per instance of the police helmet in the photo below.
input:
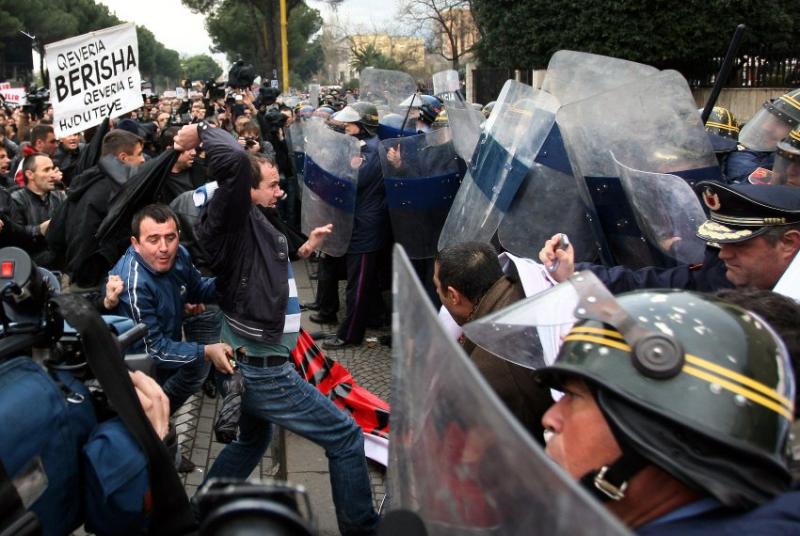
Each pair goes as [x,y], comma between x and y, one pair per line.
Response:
[722,123]
[429,108]
[786,169]
[713,406]
[786,107]
[364,114]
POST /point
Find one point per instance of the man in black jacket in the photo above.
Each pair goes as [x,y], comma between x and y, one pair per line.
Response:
[261,321]
[35,205]
[72,238]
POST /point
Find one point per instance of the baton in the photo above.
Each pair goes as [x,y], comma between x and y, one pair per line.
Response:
[724,71]
[403,125]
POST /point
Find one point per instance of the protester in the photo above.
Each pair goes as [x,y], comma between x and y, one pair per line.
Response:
[471,284]
[261,323]
[35,205]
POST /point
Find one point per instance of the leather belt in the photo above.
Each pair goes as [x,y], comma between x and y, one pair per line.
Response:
[261,361]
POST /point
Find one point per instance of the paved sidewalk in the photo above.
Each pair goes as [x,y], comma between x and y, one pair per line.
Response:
[306,462]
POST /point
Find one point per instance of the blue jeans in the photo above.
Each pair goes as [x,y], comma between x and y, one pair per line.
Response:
[279,395]
[182,382]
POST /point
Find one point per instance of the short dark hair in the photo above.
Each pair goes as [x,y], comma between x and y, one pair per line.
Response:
[29,163]
[780,312]
[40,132]
[256,161]
[167,138]
[120,141]
[469,267]
[158,212]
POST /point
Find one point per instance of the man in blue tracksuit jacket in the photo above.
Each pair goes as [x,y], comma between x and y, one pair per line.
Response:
[160,280]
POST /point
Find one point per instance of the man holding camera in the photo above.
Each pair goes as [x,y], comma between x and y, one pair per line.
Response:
[258,297]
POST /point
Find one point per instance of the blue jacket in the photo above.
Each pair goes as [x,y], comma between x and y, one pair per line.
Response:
[780,516]
[157,299]
[740,164]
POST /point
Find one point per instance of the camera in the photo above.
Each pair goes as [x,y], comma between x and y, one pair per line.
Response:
[214,91]
[37,101]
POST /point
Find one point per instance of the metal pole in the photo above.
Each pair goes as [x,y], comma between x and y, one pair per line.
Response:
[724,71]
[284,49]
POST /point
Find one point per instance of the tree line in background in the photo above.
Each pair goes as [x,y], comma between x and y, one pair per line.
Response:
[52,20]
[676,34]
[249,30]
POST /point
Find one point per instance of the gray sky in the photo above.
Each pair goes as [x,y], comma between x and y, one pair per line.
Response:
[178,28]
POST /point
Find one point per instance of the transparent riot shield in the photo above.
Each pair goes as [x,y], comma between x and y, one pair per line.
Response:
[296,142]
[446,84]
[667,210]
[457,457]
[330,176]
[573,76]
[422,174]
[386,89]
[512,137]
[652,125]
[464,120]
[550,192]
[313,94]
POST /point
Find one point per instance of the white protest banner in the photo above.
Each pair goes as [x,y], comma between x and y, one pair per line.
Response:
[92,77]
[180,93]
[14,96]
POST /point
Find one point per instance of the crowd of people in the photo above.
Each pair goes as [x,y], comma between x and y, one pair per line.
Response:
[673,408]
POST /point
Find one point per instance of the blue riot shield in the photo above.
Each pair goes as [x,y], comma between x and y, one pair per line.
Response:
[548,202]
[504,154]
[651,125]
[422,174]
[330,178]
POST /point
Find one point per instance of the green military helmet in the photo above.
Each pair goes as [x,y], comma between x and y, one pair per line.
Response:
[711,403]
[786,169]
[722,123]
[786,107]
[364,114]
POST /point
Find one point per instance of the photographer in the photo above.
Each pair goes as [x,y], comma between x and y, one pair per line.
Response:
[81,431]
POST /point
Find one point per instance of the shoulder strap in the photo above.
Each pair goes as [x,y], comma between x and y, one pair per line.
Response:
[171,514]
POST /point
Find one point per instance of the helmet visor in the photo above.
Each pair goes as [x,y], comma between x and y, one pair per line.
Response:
[763,131]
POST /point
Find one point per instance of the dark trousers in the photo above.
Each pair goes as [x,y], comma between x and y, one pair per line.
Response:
[363,295]
[331,271]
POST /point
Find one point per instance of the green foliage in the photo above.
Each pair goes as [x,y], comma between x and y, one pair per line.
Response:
[227,21]
[369,56]
[665,33]
[200,67]
[54,20]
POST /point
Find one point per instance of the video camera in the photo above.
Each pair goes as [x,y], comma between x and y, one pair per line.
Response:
[214,90]
[37,101]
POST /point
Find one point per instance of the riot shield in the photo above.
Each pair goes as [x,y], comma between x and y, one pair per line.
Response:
[512,137]
[446,84]
[652,125]
[667,210]
[550,192]
[386,89]
[313,94]
[296,143]
[330,176]
[573,76]
[422,174]
[457,457]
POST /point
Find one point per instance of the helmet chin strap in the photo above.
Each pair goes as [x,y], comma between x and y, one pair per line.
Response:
[610,482]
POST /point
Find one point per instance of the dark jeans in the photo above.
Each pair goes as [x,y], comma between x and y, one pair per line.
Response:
[182,382]
[331,271]
[279,395]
